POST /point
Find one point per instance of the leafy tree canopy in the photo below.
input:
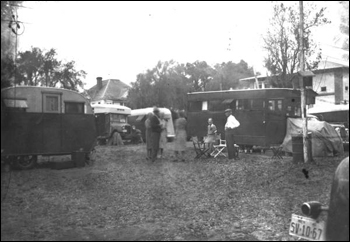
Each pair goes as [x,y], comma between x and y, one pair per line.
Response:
[167,84]
[42,68]
[282,39]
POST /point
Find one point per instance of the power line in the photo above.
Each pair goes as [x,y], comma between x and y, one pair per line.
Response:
[8,20]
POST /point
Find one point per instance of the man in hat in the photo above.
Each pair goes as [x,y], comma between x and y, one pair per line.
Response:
[230,125]
[156,130]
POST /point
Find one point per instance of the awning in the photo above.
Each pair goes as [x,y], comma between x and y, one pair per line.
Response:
[12,103]
[139,118]
[227,101]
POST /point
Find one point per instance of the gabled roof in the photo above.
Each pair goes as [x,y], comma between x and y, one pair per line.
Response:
[112,89]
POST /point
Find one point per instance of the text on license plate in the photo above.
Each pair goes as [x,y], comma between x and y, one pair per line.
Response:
[307,228]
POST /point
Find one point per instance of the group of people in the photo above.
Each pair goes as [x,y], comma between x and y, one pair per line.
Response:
[230,125]
[156,135]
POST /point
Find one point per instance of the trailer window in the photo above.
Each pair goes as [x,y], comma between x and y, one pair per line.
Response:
[239,105]
[15,105]
[272,105]
[257,104]
[73,107]
[218,105]
[51,103]
[195,106]
[275,105]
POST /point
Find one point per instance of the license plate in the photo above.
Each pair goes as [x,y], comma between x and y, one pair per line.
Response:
[307,228]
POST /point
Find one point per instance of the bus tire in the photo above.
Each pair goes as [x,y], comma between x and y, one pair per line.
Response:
[25,162]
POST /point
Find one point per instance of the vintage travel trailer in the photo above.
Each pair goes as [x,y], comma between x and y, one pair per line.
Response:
[262,113]
[44,121]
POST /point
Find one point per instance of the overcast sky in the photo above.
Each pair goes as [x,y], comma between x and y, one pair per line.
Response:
[122,39]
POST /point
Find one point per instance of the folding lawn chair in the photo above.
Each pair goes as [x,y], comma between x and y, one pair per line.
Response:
[218,149]
[200,147]
[277,152]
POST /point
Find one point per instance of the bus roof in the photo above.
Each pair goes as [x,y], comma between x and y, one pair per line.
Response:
[247,93]
[111,108]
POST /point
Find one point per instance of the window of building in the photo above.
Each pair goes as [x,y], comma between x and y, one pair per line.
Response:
[52,103]
[73,107]
[323,89]
[346,88]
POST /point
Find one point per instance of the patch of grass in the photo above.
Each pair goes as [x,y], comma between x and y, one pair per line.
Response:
[123,196]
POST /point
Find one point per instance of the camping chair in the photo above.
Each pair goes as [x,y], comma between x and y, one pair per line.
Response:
[277,151]
[218,149]
[199,147]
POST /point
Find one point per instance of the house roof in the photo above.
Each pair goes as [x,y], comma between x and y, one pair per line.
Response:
[112,89]
[320,70]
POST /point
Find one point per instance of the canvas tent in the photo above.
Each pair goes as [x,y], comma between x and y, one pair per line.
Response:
[325,140]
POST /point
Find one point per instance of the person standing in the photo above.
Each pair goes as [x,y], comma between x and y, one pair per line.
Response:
[156,130]
[163,134]
[148,136]
[180,136]
[211,134]
[230,125]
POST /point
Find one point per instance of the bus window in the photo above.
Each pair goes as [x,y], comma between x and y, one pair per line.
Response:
[289,111]
[272,105]
[239,105]
[257,104]
[246,104]
[73,107]
[275,105]
[205,105]
[279,105]
[118,118]
[217,105]
[195,106]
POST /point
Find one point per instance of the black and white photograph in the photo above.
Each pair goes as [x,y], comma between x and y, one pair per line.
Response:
[174,120]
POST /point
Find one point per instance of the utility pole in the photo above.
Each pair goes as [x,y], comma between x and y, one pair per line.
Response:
[301,82]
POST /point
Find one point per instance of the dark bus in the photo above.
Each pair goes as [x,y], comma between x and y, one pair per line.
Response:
[44,121]
[262,113]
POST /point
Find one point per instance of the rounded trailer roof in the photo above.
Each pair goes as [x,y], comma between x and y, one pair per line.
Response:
[111,108]
[145,111]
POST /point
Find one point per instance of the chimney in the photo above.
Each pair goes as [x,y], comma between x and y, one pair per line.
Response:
[99,83]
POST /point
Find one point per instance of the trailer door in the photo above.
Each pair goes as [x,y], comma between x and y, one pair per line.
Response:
[275,121]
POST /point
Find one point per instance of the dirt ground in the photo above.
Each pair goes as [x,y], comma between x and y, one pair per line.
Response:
[122,196]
